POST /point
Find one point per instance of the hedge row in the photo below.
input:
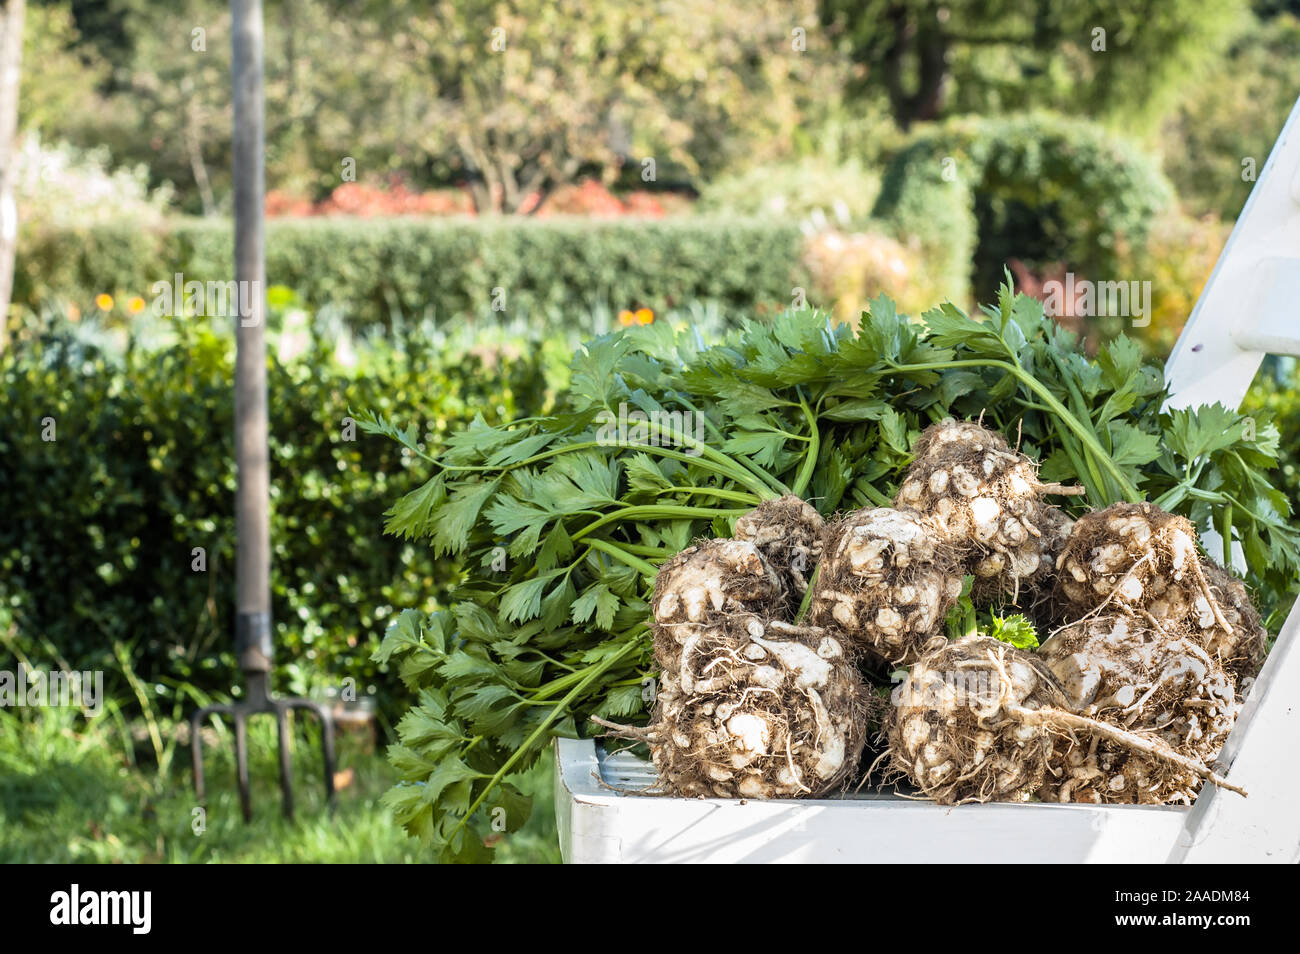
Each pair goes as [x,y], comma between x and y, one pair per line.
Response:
[443,268]
[114,469]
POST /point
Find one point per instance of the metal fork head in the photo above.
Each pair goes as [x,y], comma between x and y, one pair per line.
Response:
[261,701]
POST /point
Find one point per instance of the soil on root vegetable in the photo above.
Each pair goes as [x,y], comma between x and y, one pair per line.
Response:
[1241,652]
[952,729]
[1038,596]
[978,720]
[939,439]
[702,587]
[1143,559]
[887,580]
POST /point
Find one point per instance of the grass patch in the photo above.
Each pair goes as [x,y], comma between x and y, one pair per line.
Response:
[74,789]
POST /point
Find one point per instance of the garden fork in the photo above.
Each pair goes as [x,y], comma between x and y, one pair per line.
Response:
[260,700]
[252,455]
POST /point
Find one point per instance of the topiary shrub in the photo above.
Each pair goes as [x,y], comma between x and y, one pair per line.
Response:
[1040,188]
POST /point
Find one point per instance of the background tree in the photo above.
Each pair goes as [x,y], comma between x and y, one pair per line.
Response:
[1216,140]
[513,98]
[527,95]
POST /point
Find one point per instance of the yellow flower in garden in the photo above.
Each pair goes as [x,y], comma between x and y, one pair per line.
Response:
[104,301]
[625,317]
[135,304]
[644,316]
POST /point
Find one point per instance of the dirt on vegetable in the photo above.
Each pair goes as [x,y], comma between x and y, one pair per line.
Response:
[1240,652]
[1142,559]
[954,729]
[978,720]
[1146,561]
[749,705]
[704,587]
[788,532]
[1129,701]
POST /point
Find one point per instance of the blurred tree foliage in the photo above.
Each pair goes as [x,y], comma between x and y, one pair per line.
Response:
[1216,141]
[933,58]
[527,95]
[52,49]
[515,97]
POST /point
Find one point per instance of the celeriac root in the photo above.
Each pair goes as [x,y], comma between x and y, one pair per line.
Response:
[1241,647]
[749,705]
[1130,703]
[1148,562]
[706,592]
[1154,748]
[950,730]
[989,503]
[1105,547]
[886,581]
[779,714]
[788,532]
[1155,684]
[978,720]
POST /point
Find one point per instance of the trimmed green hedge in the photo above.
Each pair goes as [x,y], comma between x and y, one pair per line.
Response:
[98,525]
[376,269]
[1042,188]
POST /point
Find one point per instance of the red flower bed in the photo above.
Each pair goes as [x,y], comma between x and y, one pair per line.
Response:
[589,198]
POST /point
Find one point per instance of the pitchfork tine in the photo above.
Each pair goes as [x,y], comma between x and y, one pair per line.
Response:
[327,752]
[286,766]
[197,721]
[241,764]
[326,741]
[196,752]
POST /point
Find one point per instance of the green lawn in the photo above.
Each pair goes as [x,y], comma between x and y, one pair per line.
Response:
[73,791]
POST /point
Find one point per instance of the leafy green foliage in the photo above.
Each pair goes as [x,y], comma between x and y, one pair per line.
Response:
[1216,140]
[932,58]
[961,620]
[562,519]
[1277,392]
[1212,468]
[1016,630]
[100,523]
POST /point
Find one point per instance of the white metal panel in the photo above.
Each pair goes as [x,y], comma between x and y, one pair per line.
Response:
[1251,302]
